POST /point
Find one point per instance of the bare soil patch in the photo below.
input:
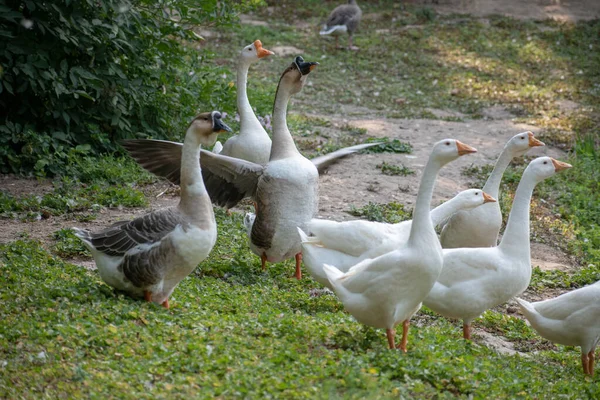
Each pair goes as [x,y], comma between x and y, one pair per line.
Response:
[560,10]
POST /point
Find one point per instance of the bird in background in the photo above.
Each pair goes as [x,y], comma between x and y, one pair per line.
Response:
[343,19]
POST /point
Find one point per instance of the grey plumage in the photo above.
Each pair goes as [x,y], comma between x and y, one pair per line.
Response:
[346,14]
[122,236]
[228,180]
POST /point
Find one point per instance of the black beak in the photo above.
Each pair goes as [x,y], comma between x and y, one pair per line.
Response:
[303,66]
[218,125]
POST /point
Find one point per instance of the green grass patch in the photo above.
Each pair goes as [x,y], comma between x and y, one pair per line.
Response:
[391,212]
[236,332]
[88,184]
[388,146]
[68,245]
[391,169]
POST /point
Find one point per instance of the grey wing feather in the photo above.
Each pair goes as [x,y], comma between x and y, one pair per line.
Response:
[322,162]
[263,230]
[240,176]
[160,157]
[121,237]
[228,180]
[147,268]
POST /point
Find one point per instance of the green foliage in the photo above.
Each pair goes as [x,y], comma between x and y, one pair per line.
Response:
[68,245]
[391,169]
[388,146]
[107,181]
[78,76]
[238,332]
[391,212]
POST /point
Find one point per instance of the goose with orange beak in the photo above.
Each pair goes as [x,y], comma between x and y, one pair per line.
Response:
[476,279]
[387,290]
[480,227]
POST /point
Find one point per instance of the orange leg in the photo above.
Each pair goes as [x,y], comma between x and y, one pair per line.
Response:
[228,212]
[404,341]
[263,261]
[591,357]
[147,296]
[390,337]
[585,363]
[298,264]
[255,208]
[165,304]
[467,331]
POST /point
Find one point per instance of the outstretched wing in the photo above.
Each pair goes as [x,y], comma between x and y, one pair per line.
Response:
[160,157]
[322,162]
[227,179]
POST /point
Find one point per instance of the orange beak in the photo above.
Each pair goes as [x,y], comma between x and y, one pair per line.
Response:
[559,165]
[464,148]
[533,142]
[488,199]
[260,51]
[313,66]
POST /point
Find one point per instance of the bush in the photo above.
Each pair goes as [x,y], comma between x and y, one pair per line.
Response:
[78,76]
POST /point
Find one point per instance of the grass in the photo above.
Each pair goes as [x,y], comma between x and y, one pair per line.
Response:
[235,331]
[391,212]
[391,169]
[89,185]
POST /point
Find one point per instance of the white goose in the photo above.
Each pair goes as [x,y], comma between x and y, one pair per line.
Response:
[476,279]
[150,255]
[252,143]
[480,227]
[347,243]
[572,319]
[387,290]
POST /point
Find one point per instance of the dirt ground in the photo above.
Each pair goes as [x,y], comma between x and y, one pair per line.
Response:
[560,10]
[356,180]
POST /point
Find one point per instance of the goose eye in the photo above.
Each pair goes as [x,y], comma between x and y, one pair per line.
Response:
[522,137]
[545,162]
[249,49]
[206,119]
[476,194]
[447,143]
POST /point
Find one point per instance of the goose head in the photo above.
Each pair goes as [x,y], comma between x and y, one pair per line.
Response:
[520,144]
[254,52]
[207,126]
[294,76]
[545,167]
[471,198]
[448,150]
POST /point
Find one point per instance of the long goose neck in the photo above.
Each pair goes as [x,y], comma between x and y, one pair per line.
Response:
[492,185]
[516,234]
[247,116]
[193,192]
[283,143]
[422,226]
[444,211]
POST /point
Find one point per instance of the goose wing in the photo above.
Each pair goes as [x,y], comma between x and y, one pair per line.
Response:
[160,157]
[227,179]
[322,162]
[562,307]
[145,231]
